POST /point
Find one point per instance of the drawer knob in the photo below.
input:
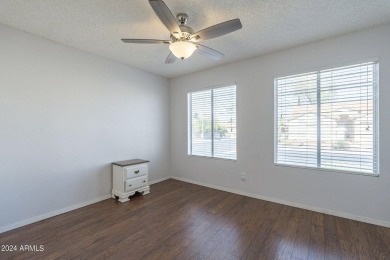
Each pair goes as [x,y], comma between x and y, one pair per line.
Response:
[136,172]
[144,181]
[130,185]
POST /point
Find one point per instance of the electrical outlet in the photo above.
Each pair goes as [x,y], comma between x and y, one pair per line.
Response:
[243,176]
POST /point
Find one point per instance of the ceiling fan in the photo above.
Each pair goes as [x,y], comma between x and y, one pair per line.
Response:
[183,41]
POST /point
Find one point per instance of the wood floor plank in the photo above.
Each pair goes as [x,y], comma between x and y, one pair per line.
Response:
[316,244]
[302,240]
[179,220]
[285,230]
[331,240]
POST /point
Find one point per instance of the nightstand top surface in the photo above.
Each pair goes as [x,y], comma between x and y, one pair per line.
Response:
[130,162]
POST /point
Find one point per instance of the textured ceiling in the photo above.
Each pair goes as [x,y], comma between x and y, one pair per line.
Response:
[96,26]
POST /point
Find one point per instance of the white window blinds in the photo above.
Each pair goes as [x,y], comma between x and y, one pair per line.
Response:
[327,119]
[212,123]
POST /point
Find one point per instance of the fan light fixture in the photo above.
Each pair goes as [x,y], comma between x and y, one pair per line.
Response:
[182,50]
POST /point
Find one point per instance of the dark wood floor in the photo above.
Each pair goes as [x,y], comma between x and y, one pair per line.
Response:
[185,221]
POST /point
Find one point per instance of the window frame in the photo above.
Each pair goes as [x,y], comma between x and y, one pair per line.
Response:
[375,121]
[189,129]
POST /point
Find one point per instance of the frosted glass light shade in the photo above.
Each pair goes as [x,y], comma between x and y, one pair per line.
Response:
[182,50]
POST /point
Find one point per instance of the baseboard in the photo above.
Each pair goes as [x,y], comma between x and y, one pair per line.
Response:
[159,180]
[293,204]
[51,214]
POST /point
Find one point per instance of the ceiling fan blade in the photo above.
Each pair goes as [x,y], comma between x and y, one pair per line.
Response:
[147,41]
[170,59]
[165,15]
[208,52]
[217,30]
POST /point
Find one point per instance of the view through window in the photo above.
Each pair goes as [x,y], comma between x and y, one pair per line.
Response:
[212,123]
[327,119]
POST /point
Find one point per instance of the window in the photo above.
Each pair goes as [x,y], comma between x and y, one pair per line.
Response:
[212,123]
[328,119]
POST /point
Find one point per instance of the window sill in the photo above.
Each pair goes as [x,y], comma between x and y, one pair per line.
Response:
[329,170]
[210,157]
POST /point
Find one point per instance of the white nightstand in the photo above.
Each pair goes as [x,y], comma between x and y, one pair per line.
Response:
[128,177]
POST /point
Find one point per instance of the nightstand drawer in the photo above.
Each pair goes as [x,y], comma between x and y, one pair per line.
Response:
[135,171]
[135,183]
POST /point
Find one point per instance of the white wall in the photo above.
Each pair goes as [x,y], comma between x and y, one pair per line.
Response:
[65,115]
[360,197]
